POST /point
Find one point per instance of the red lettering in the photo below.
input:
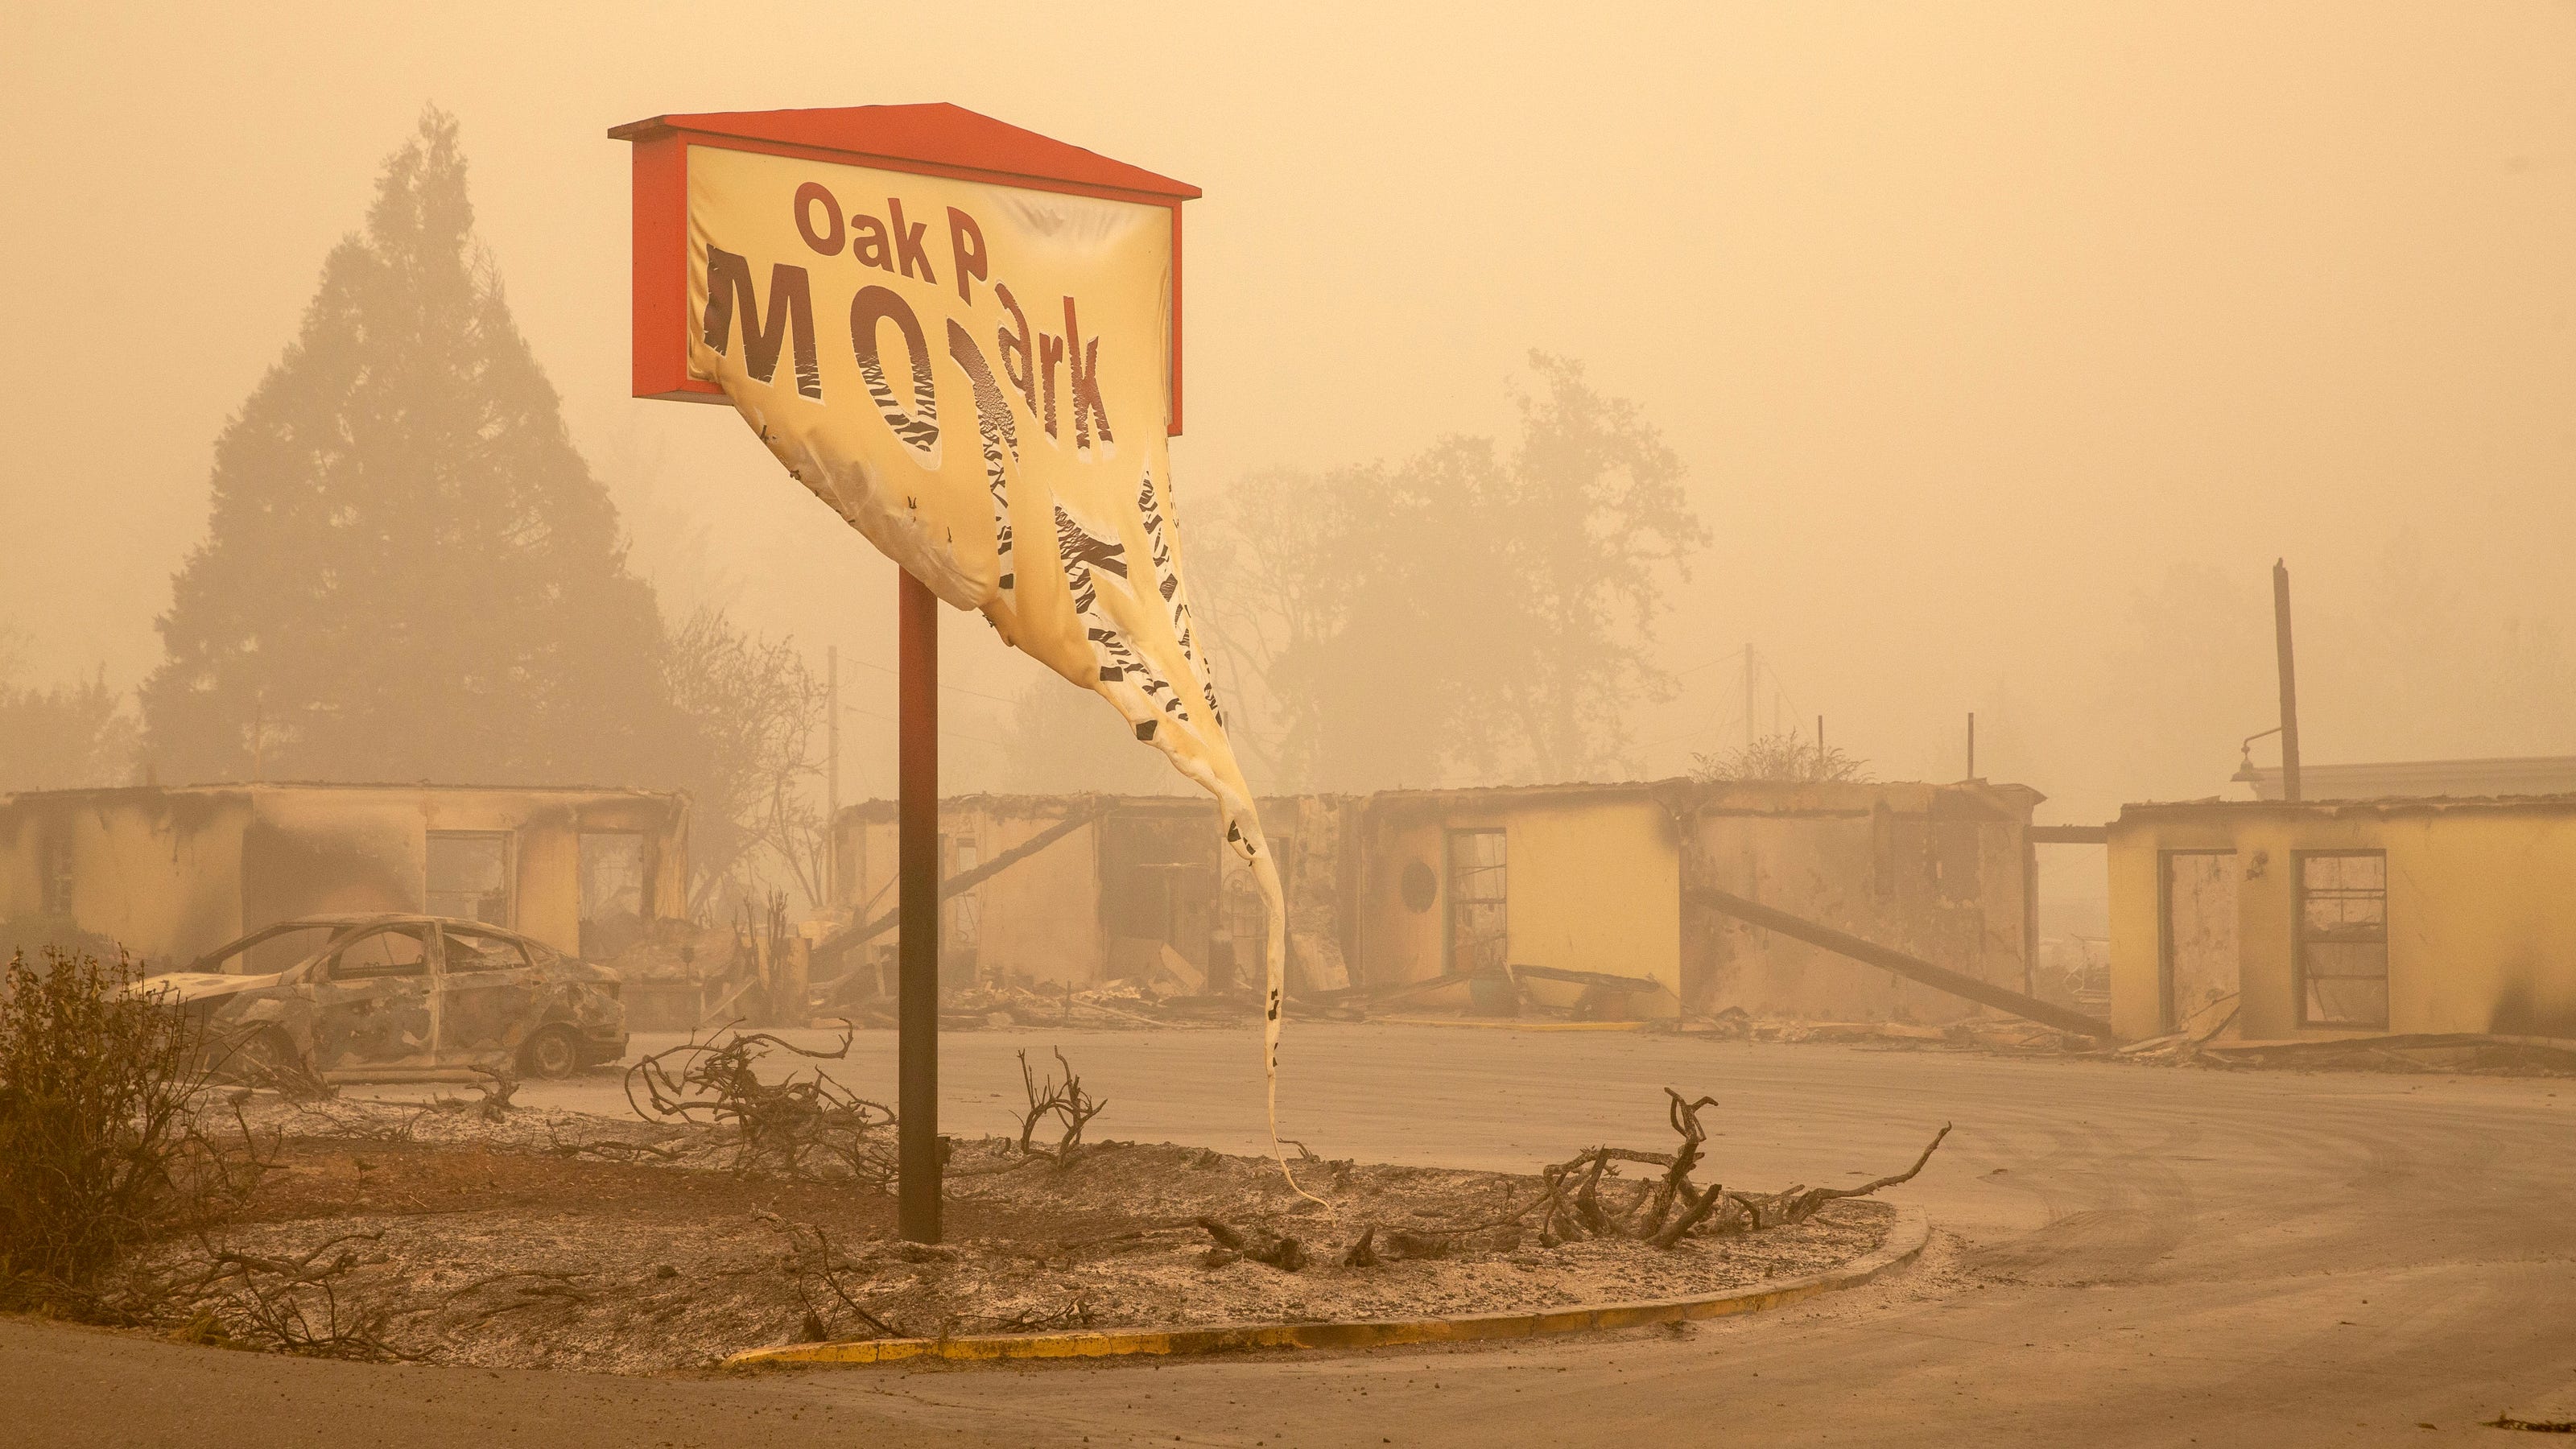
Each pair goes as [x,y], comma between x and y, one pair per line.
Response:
[1083,366]
[907,242]
[966,248]
[1019,358]
[791,316]
[808,196]
[868,243]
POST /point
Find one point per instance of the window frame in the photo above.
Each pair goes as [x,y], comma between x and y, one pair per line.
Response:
[327,972]
[447,960]
[509,874]
[2299,942]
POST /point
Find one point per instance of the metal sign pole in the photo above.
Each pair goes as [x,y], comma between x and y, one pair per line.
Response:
[917,992]
[2289,680]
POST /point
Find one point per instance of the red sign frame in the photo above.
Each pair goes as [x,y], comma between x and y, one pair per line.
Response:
[926,140]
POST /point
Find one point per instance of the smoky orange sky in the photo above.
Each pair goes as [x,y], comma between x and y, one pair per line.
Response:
[1973,322]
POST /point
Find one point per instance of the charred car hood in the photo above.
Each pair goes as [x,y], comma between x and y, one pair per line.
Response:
[181,987]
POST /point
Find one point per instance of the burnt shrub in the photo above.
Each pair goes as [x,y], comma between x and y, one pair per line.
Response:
[102,1143]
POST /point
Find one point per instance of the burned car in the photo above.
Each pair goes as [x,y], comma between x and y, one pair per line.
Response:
[391,997]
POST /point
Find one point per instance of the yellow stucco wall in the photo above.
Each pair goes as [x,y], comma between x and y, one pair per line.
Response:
[2481,917]
[171,873]
[1593,883]
[1039,919]
[158,871]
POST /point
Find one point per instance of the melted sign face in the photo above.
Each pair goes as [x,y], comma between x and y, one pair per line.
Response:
[975,377]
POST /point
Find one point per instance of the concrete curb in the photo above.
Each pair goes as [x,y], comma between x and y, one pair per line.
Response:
[1905,1239]
[1508,1023]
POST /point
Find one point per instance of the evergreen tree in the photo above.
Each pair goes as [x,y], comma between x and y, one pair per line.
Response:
[411,574]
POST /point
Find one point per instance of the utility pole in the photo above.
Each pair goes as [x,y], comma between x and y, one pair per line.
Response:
[917,915]
[2289,681]
[831,777]
[1972,744]
[1752,668]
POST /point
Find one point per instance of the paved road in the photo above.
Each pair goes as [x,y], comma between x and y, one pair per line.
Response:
[2127,1256]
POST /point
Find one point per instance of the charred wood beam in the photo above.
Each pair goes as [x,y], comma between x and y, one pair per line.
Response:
[849,936]
[1912,968]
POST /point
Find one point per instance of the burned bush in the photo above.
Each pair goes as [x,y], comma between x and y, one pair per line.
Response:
[103,1137]
[803,1125]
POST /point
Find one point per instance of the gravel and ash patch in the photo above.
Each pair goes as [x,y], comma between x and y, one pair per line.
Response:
[528,1238]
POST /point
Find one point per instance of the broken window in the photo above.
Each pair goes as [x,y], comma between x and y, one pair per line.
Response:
[392,951]
[1479,934]
[965,912]
[612,891]
[1957,848]
[480,951]
[58,877]
[1158,879]
[1902,862]
[2343,939]
[469,875]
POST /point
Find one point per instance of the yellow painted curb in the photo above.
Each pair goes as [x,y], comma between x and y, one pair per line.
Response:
[1504,1023]
[1906,1239]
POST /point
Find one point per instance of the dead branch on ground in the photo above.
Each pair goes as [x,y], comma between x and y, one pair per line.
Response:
[1068,1104]
[494,1105]
[1584,1197]
[1259,1244]
[803,1125]
[1796,1205]
[533,1288]
[612,1149]
[300,1305]
[813,1263]
[1074,1312]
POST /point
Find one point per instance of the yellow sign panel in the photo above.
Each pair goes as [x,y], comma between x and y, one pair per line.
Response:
[975,377]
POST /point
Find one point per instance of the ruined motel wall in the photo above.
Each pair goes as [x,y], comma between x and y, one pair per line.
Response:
[173,873]
[2481,924]
[156,870]
[1039,919]
[1940,872]
[1593,884]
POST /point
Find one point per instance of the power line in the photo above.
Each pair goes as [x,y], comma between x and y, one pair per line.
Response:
[952,688]
[952,734]
[1709,663]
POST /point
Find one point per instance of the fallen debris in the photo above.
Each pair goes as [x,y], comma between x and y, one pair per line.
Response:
[1258,1244]
[804,1124]
[299,1304]
[1069,1104]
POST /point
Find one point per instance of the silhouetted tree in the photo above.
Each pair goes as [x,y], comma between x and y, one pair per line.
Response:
[66,737]
[1468,610]
[410,572]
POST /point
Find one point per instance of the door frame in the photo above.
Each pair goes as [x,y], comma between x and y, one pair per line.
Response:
[2165,1014]
[1449,901]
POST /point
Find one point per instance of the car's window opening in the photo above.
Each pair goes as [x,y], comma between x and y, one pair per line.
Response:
[479,951]
[274,952]
[392,951]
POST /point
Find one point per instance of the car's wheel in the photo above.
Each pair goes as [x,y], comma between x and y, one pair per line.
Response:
[552,1053]
[262,1058]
